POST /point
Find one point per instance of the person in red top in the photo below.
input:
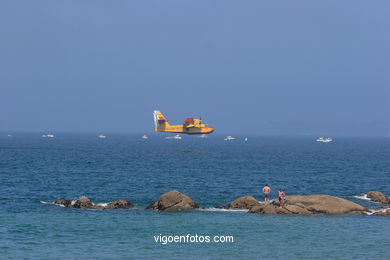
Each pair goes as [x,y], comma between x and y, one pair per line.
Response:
[266,191]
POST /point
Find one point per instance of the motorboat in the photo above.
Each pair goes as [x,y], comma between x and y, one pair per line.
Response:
[145,137]
[102,136]
[178,137]
[48,135]
[229,138]
[324,140]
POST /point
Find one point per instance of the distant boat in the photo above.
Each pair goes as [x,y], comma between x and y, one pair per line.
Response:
[246,139]
[102,136]
[324,140]
[203,136]
[9,135]
[48,135]
[178,137]
[229,138]
[145,137]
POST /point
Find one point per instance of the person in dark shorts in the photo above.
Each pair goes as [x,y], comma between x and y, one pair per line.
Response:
[281,196]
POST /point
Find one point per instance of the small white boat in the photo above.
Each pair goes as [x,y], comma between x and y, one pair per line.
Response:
[9,135]
[145,137]
[178,137]
[324,140]
[203,136]
[102,136]
[229,138]
[48,135]
[246,139]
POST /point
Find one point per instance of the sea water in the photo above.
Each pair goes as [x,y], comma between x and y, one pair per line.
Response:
[211,171]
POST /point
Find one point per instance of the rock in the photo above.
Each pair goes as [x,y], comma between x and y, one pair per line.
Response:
[325,204]
[296,209]
[153,206]
[310,204]
[256,209]
[65,202]
[384,213]
[245,202]
[83,203]
[378,196]
[173,201]
[119,204]
[268,209]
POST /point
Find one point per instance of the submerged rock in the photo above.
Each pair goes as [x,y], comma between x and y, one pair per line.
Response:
[311,204]
[173,201]
[245,202]
[378,196]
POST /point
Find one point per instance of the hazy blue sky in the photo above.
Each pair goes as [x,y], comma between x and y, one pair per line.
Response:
[266,67]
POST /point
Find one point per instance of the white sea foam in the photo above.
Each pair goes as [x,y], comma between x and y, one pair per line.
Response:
[372,211]
[45,202]
[73,202]
[102,204]
[52,203]
[224,210]
[362,197]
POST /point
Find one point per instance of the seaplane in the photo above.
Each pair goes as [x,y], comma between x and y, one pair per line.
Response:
[191,126]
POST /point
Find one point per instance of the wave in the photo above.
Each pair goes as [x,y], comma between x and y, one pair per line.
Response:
[52,203]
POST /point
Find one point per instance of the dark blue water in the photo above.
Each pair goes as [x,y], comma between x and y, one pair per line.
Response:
[211,171]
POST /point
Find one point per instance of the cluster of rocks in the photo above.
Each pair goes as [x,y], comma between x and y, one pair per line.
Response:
[308,205]
[304,204]
[85,203]
[296,204]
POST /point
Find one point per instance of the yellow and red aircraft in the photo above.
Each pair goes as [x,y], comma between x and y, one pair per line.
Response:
[190,125]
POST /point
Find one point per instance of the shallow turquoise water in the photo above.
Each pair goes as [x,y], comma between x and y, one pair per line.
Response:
[211,171]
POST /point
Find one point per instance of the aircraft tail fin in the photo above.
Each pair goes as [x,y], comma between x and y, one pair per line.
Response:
[159,119]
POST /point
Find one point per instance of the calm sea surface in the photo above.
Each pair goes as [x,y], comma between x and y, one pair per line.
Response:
[211,171]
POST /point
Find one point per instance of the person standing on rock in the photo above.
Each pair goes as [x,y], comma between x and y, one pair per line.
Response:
[266,191]
[281,196]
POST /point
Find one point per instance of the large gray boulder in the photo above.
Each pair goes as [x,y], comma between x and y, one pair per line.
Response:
[325,204]
[173,201]
[378,196]
[311,204]
[245,202]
